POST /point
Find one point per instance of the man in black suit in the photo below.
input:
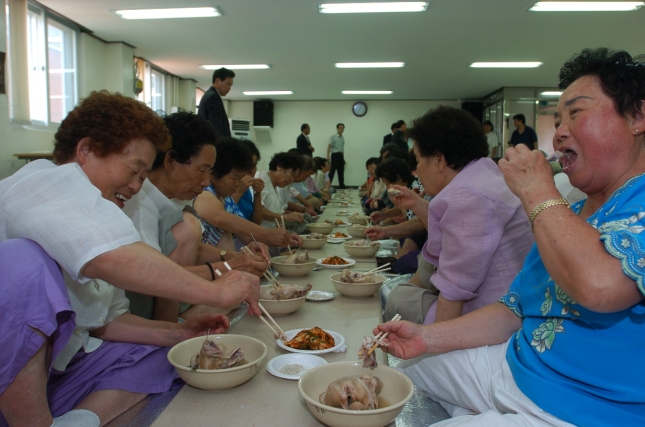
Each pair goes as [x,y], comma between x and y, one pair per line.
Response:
[398,136]
[211,107]
[303,144]
[388,138]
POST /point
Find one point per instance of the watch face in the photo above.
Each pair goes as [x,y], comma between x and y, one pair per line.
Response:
[359,109]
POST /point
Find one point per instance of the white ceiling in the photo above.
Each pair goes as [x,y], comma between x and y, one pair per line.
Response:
[302,45]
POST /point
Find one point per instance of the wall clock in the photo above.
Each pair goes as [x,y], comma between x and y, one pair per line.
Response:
[359,109]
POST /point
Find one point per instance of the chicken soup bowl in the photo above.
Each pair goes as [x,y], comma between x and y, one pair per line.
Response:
[292,270]
[321,228]
[362,220]
[309,243]
[356,231]
[397,390]
[281,307]
[357,290]
[361,251]
[218,379]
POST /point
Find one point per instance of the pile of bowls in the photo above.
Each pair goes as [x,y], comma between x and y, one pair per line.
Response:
[308,243]
[356,231]
[281,307]
[397,390]
[292,270]
[357,290]
[321,228]
[361,251]
[218,379]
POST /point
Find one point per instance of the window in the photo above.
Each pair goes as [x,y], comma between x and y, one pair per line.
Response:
[52,68]
[157,91]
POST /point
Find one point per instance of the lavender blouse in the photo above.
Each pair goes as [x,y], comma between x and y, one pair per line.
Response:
[478,237]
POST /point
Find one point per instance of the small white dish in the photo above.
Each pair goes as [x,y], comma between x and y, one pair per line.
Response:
[339,340]
[307,361]
[337,240]
[334,267]
[319,296]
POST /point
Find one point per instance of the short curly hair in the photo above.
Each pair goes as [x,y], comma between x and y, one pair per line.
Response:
[622,77]
[394,169]
[285,161]
[231,155]
[452,132]
[110,121]
[189,133]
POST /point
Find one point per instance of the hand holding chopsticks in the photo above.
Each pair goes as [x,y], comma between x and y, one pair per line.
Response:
[267,274]
[382,335]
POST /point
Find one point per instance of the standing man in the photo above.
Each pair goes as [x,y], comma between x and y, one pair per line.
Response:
[398,137]
[337,147]
[211,107]
[303,144]
[492,139]
[523,134]
[388,138]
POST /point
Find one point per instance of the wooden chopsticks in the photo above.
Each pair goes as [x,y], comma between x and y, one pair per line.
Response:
[267,274]
[384,267]
[382,335]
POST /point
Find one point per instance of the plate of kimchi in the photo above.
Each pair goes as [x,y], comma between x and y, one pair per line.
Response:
[311,341]
[335,262]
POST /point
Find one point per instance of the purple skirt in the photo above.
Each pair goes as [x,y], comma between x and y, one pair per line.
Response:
[34,296]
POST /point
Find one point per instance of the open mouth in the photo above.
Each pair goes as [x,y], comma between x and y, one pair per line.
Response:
[568,158]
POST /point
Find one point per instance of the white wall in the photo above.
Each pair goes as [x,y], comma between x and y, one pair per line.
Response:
[363,135]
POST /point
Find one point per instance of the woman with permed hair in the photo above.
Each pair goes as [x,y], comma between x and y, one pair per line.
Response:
[478,233]
[70,348]
[565,345]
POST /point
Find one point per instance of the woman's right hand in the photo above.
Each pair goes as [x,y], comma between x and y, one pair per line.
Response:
[253,264]
[375,233]
[406,339]
[294,217]
[278,237]
[406,200]
[377,216]
[238,286]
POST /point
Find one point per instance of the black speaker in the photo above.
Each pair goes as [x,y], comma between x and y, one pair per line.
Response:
[263,113]
[475,108]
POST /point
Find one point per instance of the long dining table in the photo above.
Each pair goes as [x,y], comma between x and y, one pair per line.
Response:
[267,400]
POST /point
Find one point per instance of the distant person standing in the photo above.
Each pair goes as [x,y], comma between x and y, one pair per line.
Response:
[523,134]
[336,148]
[211,106]
[388,138]
[398,137]
[493,142]
[303,143]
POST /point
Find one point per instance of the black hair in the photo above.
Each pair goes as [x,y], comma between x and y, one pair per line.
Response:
[622,77]
[395,125]
[285,161]
[454,133]
[319,162]
[520,117]
[223,74]
[340,124]
[251,147]
[489,123]
[400,123]
[232,154]
[304,126]
[412,161]
[393,151]
[394,169]
[372,160]
[189,133]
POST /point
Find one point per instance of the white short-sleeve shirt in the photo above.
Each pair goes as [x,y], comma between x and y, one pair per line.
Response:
[272,199]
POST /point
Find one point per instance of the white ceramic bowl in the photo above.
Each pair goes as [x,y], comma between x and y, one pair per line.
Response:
[218,379]
[356,232]
[320,228]
[397,390]
[312,243]
[362,220]
[357,290]
[361,251]
[292,270]
[281,307]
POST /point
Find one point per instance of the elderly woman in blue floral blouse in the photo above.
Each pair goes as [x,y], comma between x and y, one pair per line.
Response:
[565,345]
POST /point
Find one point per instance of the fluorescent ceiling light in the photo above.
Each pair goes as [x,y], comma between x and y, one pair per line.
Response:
[585,6]
[268,92]
[369,64]
[367,92]
[182,12]
[505,64]
[412,6]
[236,67]
[551,93]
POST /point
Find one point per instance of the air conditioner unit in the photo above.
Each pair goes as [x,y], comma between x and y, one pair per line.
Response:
[240,128]
[263,134]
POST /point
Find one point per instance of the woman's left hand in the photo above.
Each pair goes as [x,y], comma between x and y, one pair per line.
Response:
[528,175]
[200,325]
[295,240]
